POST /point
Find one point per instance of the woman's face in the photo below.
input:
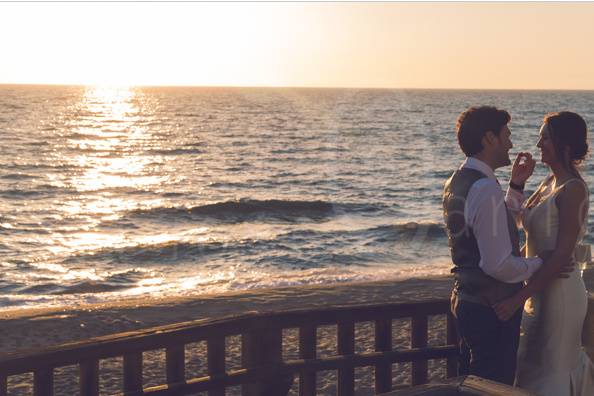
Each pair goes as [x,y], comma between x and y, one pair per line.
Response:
[546,146]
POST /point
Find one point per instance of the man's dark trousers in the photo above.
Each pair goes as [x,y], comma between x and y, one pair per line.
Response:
[490,344]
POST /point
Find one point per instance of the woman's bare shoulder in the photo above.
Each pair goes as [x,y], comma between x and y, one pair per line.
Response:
[573,192]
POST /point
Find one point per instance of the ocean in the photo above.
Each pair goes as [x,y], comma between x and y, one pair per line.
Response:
[108,193]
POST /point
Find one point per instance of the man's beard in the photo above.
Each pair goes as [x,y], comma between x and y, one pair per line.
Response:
[505,161]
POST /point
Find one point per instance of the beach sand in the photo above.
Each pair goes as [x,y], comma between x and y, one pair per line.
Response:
[26,329]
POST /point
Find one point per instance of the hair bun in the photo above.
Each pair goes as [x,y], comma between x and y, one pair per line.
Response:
[578,153]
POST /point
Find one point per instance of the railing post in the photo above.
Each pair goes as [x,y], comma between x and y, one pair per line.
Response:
[261,348]
[419,340]
[383,343]
[216,362]
[133,374]
[346,346]
[43,382]
[175,365]
[451,339]
[307,350]
[89,378]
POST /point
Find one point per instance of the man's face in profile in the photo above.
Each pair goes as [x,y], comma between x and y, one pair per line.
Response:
[503,147]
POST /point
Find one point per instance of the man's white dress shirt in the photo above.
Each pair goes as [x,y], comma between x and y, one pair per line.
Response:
[485,212]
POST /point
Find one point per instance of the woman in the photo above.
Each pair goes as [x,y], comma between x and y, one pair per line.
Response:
[551,361]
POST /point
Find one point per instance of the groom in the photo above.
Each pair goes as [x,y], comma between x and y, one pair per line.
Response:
[484,244]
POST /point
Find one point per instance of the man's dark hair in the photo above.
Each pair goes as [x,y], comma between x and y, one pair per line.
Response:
[475,122]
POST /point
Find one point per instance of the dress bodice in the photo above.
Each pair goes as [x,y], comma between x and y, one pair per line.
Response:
[541,222]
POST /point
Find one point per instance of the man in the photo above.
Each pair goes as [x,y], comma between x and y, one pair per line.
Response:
[484,243]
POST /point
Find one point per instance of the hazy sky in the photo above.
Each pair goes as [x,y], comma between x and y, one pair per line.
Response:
[414,45]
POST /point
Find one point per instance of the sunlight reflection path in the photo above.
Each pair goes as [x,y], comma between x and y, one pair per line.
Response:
[107,143]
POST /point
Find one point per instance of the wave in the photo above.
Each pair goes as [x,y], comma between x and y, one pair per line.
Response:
[422,230]
[18,176]
[440,174]
[113,282]
[180,151]
[161,253]
[17,194]
[303,248]
[399,232]
[41,166]
[87,286]
[99,135]
[247,209]
[90,287]
[43,190]
[191,115]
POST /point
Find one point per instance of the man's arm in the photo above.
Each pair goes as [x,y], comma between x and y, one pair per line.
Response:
[487,215]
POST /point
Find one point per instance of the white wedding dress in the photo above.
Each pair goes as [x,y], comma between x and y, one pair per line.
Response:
[551,361]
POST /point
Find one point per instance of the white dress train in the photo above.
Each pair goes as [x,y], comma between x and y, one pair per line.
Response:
[551,360]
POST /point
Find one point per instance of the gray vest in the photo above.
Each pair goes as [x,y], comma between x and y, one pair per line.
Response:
[471,283]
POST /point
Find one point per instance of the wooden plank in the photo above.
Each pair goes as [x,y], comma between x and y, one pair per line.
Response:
[452,339]
[216,362]
[346,347]
[43,382]
[419,340]
[133,374]
[383,343]
[307,350]
[175,365]
[89,378]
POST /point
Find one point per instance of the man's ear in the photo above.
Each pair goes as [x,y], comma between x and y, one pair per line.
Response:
[488,139]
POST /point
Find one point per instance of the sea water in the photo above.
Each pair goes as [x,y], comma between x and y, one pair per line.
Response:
[115,192]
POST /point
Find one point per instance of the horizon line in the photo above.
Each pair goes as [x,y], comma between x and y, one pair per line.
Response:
[293,87]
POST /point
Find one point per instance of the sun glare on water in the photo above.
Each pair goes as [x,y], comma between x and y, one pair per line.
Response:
[108,139]
[108,145]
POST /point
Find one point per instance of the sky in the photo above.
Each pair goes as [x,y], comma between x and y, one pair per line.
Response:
[375,45]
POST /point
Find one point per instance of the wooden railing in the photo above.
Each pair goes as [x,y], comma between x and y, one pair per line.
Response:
[261,352]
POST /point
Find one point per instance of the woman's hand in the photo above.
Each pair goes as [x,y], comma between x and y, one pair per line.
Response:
[522,168]
[507,308]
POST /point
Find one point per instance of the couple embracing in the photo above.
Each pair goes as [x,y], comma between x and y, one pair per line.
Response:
[500,287]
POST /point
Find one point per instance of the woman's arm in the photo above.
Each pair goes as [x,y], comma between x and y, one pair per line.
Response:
[514,200]
[521,171]
[572,204]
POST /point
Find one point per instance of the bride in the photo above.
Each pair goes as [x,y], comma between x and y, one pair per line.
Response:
[551,361]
